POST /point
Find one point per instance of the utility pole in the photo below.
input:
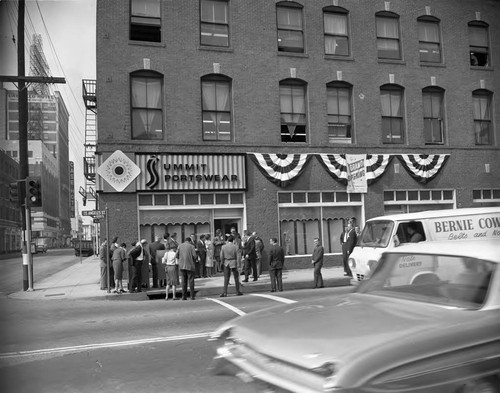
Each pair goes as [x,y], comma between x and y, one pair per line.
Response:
[21,80]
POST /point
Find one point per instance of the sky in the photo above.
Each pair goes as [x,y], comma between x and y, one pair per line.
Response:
[68,29]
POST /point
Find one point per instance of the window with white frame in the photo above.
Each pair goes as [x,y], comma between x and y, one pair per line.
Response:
[290,27]
[339,108]
[146,103]
[429,39]
[293,110]
[335,21]
[214,23]
[481,100]
[145,20]
[216,108]
[433,108]
[479,44]
[391,98]
[409,201]
[388,41]
[486,195]
[304,215]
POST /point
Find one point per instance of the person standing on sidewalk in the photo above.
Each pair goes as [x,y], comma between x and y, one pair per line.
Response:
[276,263]
[229,256]
[348,240]
[201,249]
[317,261]
[153,247]
[137,254]
[250,258]
[119,257]
[170,262]
[186,254]
[104,257]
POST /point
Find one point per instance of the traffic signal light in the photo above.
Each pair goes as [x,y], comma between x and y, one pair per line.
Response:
[33,191]
[17,192]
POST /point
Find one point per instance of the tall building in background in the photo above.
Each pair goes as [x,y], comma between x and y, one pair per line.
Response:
[48,150]
[290,117]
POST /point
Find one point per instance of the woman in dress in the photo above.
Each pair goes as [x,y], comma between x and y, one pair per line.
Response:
[209,261]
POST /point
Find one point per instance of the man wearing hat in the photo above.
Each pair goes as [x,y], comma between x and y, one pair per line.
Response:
[138,256]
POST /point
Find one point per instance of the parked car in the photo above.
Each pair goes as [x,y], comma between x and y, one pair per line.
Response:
[41,248]
[428,320]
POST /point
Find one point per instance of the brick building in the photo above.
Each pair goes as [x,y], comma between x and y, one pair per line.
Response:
[288,118]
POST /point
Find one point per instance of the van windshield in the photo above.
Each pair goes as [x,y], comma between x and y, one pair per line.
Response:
[376,234]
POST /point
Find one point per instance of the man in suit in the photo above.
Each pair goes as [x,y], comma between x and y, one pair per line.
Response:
[348,240]
[276,263]
[153,247]
[250,254]
[186,254]
[138,255]
[317,261]
[201,250]
[229,256]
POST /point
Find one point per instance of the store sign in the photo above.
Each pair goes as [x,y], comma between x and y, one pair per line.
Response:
[191,172]
[356,173]
[118,170]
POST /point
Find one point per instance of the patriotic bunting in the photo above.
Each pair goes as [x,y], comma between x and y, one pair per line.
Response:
[281,169]
[423,167]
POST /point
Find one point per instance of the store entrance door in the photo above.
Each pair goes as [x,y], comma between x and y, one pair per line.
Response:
[225,225]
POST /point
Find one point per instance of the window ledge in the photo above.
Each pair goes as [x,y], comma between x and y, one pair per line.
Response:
[438,65]
[292,54]
[389,61]
[147,43]
[216,48]
[479,68]
[341,58]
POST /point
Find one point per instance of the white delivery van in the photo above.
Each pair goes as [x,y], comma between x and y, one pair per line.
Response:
[384,233]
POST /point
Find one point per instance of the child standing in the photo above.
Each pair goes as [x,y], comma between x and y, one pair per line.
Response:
[209,261]
[170,262]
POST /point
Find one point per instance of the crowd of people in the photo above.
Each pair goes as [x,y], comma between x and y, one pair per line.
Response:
[232,254]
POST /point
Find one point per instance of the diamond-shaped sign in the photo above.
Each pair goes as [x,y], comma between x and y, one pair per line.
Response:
[118,170]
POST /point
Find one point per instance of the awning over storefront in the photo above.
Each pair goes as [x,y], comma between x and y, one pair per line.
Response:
[174,217]
[314,213]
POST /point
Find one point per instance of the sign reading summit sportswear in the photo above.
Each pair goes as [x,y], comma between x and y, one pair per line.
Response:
[183,172]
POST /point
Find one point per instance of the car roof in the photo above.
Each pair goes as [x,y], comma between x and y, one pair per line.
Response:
[487,249]
[439,213]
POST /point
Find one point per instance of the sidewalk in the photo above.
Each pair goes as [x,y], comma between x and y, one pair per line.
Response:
[81,281]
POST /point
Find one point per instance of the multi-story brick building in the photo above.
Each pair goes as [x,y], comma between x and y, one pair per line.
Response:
[287,118]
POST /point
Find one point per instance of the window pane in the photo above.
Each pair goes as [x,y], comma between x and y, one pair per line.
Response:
[146,8]
[214,11]
[216,35]
[428,31]
[478,36]
[387,27]
[335,24]
[289,18]
[290,41]
[388,49]
[430,52]
[337,46]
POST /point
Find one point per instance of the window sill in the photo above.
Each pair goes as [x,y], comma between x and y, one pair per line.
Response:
[216,48]
[292,54]
[341,58]
[480,68]
[438,65]
[147,43]
[341,141]
[390,61]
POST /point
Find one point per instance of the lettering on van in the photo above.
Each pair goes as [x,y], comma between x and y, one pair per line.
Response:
[468,228]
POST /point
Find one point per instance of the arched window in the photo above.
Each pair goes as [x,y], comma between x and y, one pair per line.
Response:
[293,110]
[146,104]
[216,107]
[290,27]
[391,98]
[339,108]
[479,44]
[336,25]
[388,37]
[483,129]
[429,39]
[433,108]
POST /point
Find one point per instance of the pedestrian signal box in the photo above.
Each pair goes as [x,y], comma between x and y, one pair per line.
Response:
[17,193]
[33,191]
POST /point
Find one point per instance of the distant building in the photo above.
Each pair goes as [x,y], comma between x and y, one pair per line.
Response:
[48,156]
[288,118]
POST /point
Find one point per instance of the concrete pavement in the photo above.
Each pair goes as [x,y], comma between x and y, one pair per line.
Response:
[81,281]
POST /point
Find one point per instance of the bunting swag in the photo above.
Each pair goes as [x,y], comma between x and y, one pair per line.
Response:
[423,167]
[281,169]
[335,164]
[376,166]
